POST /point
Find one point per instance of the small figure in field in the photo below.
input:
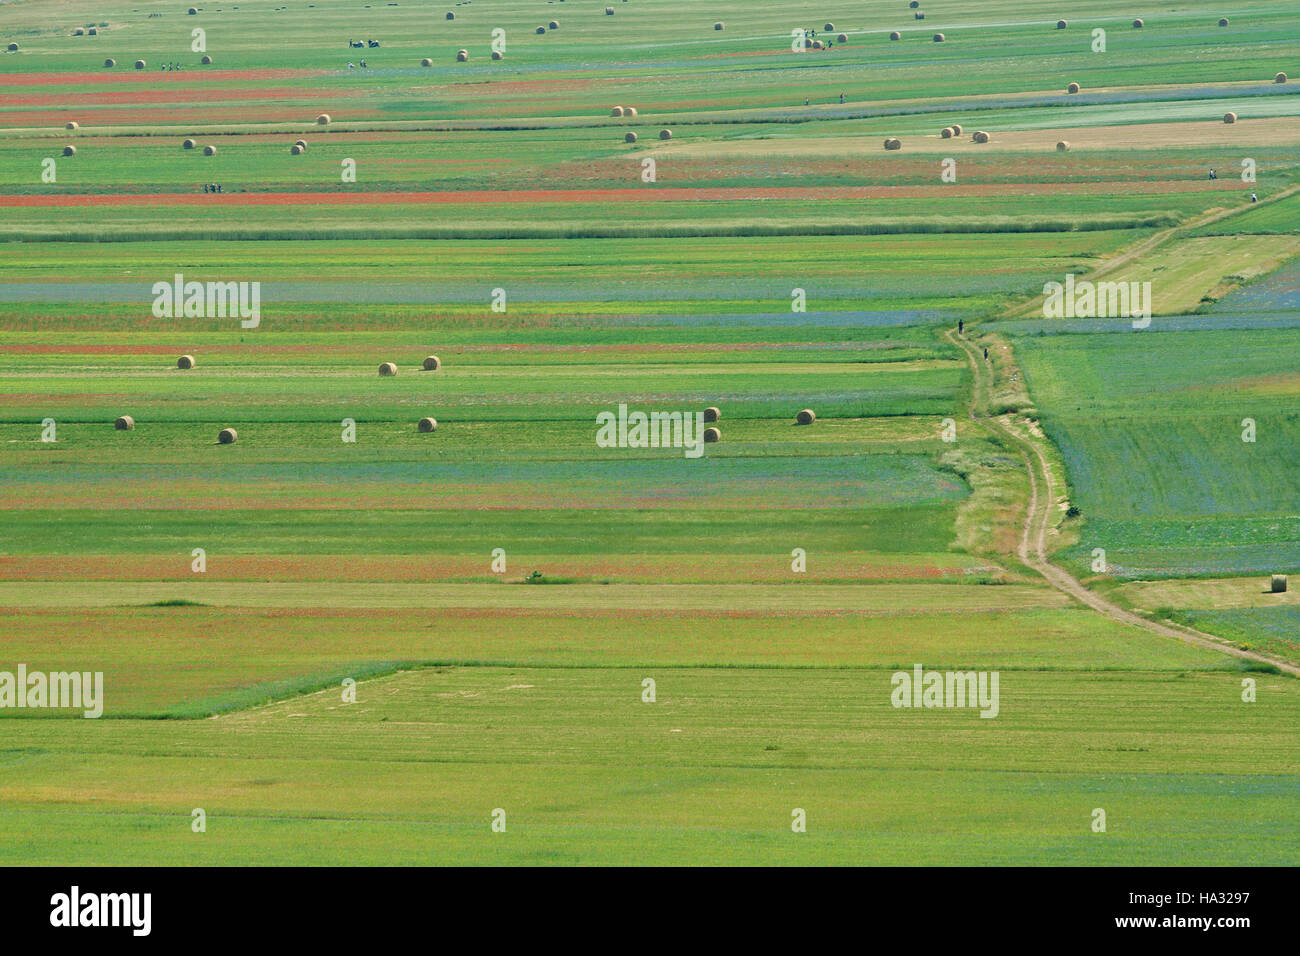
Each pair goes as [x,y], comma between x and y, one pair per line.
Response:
[841,99]
[1213,174]
[1254,198]
[961,326]
[805,101]
[363,64]
[986,354]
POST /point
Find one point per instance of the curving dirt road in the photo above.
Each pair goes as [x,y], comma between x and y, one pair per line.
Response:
[1032,549]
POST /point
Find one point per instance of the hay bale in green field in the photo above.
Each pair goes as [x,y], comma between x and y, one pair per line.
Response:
[206,61]
[893,142]
[718,25]
[426,62]
[12,48]
[1063,146]
[209,150]
[1223,21]
[73,125]
[451,16]
[323,119]
[498,55]
[1138,24]
[69,150]
[1072,88]
[896,35]
[938,38]
[140,64]
[541,30]
[110,63]
[553,25]
[227,436]
[428,425]
[1061,24]
[712,436]
[186,361]
[124,423]
[1277,585]
[188,144]
[387,368]
[806,417]
[946,132]
[1280,78]
[980,136]
[665,134]
[432,364]
[295,150]
[712,413]
[462,56]
[842,38]
[956,129]
[829,27]
[1230,118]
[629,138]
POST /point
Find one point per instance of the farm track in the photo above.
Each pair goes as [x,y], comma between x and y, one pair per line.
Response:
[1153,242]
[1032,549]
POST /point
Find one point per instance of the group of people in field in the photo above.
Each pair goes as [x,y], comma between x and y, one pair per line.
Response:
[213,188]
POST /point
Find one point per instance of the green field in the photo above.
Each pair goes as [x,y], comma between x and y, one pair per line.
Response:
[500,589]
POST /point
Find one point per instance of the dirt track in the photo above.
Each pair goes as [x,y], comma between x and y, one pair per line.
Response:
[1032,549]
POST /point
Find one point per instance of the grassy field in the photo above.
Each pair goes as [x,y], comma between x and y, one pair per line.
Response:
[499,589]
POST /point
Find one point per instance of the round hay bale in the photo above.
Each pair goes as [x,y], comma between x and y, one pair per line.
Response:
[69,150]
[13,48]
[1230,118]
[188,144]
[110,63]
[451,16]
[956,129]
[629,111]
[842,38]
[893,143]
[712,436]
[946,132]
[665,134]
[73,124]
[78,32]
[630,138]
[301,142]
[1223,21]
[387,368]
[609,11]
[712,413]
[817,44]
[1277,584]
[497,55]
[92,32]
[1072,88]
[227,436]
[541,29]
[426,62]
[462,56]
[553,25]
[192,12]
[124,423]
[140,64]
[432,364]
[209,150]
[980,136]
[428,425]
[1063,146]
[295,150]
[806,417]
[938,38]
[1280,78]
[919,15]
[896,35]
[718,25]
[1061,24]
[323,119]
[186,361]
[206,61]
[1138,24]
[829,27]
